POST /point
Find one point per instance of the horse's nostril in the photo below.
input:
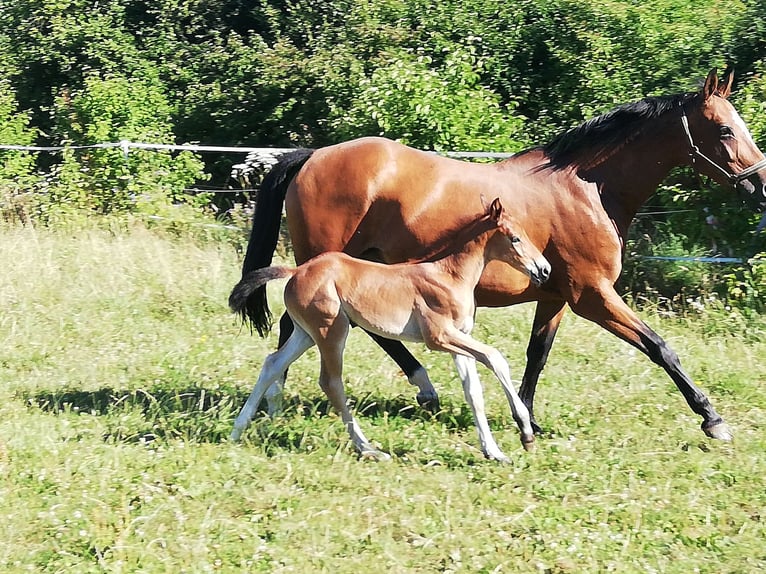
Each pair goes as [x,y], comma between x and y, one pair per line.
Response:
[545,271]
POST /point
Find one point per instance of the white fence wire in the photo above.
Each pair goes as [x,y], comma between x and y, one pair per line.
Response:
[263,157]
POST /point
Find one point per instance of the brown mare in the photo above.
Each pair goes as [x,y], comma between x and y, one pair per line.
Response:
[575,196]
[430,301]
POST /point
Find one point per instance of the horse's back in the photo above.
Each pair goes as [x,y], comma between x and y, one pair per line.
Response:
[379,199]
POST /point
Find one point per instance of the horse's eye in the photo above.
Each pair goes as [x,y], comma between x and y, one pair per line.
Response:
[726,132]
[515,239]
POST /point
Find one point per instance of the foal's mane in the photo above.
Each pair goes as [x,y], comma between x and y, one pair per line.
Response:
[598,138]
[451,243]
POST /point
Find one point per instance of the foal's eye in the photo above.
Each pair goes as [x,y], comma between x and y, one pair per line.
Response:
[726,133]
[515,239]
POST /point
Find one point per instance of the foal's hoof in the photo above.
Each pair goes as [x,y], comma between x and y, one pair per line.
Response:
[528,442]
[498,457]
[429,402]
[719,431]
[374,455]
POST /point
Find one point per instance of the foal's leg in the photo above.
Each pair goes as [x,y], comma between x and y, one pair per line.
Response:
[417,375]
[606,308]
[547,319]
[273,368]
[474,396]
[275,392]
[331,344]
[457,342]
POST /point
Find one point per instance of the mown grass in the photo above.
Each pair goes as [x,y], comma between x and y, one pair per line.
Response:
[121,370]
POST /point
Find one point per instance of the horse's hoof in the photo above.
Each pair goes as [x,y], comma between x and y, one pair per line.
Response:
[375,455]
[720,431]
[528,442]
[498,457]
[235,435]
[429,402]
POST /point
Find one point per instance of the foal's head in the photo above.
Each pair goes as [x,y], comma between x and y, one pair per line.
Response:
[512,245]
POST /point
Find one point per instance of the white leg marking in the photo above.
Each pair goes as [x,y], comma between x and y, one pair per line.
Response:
[426,391]
[474,395]
[362,444]
[273,368]
[500,367]
[274,395]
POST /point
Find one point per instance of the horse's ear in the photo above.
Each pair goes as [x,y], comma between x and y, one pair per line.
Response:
[724,87]
[496,209]
[711,84]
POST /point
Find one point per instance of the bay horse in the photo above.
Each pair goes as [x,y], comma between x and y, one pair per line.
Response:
[576,197]
[430,301]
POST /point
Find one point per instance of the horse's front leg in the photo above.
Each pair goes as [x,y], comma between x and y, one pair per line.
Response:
[606,308]
[474,396]
[544,327]
[440,336]
[427,396]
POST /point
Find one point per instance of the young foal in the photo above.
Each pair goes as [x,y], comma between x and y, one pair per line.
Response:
[429,301]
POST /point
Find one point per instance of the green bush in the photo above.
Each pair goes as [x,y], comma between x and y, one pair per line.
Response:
[439,108]
[17,176]
[112,109]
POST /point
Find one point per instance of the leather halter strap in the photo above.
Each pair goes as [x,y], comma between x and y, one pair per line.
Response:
[695,153]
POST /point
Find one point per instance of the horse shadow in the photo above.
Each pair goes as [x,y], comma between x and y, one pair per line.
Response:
[206,415]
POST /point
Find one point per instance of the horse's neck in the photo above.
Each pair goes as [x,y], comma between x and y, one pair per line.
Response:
[631,175]
[466,263]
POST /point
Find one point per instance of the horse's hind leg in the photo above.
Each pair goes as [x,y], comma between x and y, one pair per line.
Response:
[427,396]
[546,322]
[273,368]
[331,343]
[606,308]
[275,392]
[474,396]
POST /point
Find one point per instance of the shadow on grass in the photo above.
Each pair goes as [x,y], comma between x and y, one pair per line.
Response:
[206,415]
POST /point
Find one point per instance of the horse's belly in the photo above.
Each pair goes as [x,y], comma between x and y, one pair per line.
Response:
[393,324]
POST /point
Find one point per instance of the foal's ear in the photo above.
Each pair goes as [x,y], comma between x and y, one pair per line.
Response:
[711,84]
[496,209]
[724,87]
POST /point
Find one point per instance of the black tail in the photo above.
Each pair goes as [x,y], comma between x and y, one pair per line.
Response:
[265,234]
[239,300]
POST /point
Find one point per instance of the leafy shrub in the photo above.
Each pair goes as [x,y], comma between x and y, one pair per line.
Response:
[443,108]
[112,109]
[16,167]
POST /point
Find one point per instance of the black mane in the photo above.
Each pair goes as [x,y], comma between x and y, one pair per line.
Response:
[598,137]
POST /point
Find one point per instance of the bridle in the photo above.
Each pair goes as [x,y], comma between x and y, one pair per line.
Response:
[695,154]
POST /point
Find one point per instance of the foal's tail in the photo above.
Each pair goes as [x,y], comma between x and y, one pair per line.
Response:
[254,308]
[251,283]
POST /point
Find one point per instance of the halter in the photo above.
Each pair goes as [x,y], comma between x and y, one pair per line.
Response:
[695,153]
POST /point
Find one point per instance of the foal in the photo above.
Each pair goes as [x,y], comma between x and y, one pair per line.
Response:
[429,301]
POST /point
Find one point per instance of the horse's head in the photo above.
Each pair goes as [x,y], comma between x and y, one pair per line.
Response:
[720,145]
[514,246]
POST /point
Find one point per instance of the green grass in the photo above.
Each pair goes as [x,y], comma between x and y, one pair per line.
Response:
[121,371]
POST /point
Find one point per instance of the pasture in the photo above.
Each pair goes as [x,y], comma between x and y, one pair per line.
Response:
[121,372]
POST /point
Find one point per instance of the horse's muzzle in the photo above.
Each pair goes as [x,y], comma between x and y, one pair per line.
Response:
[754,193]
[540,271]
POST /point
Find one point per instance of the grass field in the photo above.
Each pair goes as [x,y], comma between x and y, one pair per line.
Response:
[121,371]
